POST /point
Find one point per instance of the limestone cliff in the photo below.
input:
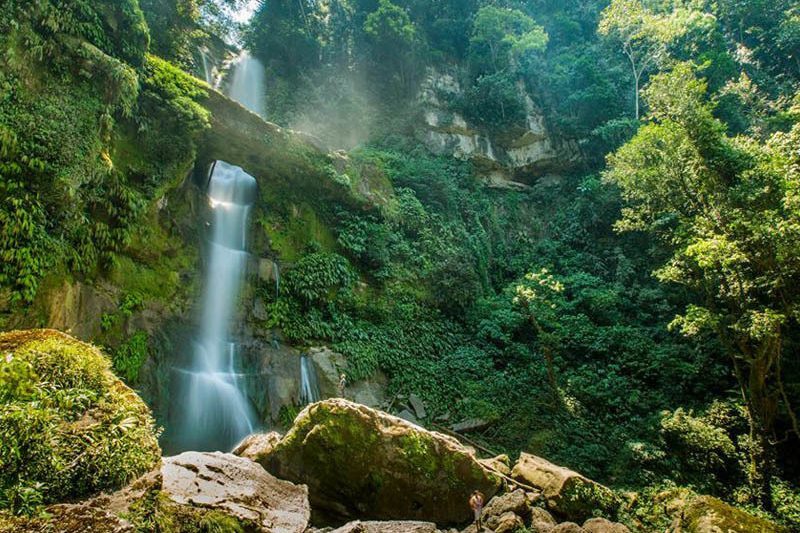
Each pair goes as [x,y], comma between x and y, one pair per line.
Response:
[523,154]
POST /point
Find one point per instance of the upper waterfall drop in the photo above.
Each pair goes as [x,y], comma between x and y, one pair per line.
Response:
[248,84]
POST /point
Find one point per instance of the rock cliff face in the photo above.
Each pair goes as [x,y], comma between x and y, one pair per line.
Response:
[531,152]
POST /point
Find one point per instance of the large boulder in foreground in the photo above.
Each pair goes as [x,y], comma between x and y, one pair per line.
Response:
[190,492]
[70,428]
[362,463]
[706,514]
[567,493]
[238,488]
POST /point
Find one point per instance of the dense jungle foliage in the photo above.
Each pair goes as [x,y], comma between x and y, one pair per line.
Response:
[634,317]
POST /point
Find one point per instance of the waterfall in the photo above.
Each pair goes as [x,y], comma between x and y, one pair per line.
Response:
[215,413]
[309,388]
[248,84]
[209,78]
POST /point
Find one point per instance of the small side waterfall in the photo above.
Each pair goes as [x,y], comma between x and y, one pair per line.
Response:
[248,85]
[215,414]
[309,388]
[209,78]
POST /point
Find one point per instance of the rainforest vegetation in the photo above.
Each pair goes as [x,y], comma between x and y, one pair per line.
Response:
[632,312]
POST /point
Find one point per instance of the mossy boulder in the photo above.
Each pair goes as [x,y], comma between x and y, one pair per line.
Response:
[568,494]
[706,514]
[362,463]
[68,427]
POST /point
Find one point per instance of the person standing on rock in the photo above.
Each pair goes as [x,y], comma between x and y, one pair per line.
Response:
[342,385]
[476,504]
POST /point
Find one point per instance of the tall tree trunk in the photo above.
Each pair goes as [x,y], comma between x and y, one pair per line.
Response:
[637,74]
[762,461]
[762,407]
[548,358]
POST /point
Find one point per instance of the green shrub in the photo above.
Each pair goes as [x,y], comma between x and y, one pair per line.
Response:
[25,245]
[130,356]
[786,499]
[701,448]
[68,427]
[494,101]
[115,26]
[318,276]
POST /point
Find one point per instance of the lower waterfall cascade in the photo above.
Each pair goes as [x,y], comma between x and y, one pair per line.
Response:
[214,412]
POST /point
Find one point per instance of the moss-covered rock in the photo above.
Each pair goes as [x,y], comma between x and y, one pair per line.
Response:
[360,462]
[568,493]
[706,514]
[68,427]
[140,507]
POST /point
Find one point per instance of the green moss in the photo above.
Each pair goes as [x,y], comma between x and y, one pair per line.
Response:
[418,452]
[290,233]
[68,427]
[156,512]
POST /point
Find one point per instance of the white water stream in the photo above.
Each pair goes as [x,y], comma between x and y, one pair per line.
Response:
[309,388]
[248,83]
[216,413]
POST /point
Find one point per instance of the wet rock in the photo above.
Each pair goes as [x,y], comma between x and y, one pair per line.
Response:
[272,374]
[370,392]
[407,415]
[267,269]
[362,463]
[568,493]
[387,527]
[471,424]
[260,311]
[418,406]
[330,365]
[77,307]
[237,487]
[601,525]
[257,445]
